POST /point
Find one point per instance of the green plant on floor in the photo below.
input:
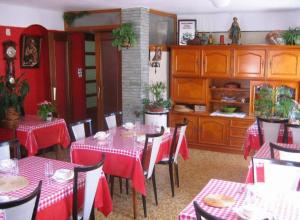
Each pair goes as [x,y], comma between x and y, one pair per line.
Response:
[124,36]
[44,109]
[69,17]
[263,104]
[291,35]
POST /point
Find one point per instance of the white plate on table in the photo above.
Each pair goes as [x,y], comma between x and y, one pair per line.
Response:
[252,212]
[63,175]
[128,125]
[101,135]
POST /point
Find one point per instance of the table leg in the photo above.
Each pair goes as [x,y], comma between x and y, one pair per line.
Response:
[134,202]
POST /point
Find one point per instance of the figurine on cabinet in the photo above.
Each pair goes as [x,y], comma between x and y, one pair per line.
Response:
[235,31]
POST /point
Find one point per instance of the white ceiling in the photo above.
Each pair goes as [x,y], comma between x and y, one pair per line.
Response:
[173,6]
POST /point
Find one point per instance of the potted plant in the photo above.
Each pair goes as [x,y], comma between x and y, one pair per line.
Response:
[292,36]
[46,110]
[157,102]
[12,95]
[124,36]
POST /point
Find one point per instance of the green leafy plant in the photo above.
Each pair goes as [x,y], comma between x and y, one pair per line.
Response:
[124,36]
[157,101]
[45,108]
[290,35]
[12,93]
[69,17]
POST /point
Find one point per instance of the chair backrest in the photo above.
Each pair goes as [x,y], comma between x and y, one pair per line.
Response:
[268,129]
[156,141]
[202,213]
[278,174]
[92,177]
[295,129]
[177,140]
[24,208]
[81,129]
[285,153]
[113,119]
[7,146]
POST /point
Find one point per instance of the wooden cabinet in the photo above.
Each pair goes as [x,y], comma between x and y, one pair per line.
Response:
[192,128]
[216,63]
[249,63]
[187,90]
[213,130]
[238,130]
[284,64]
[186,62]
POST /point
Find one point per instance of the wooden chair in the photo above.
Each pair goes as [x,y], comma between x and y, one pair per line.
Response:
[92,177]
[288,154]
[278,174]
[8,146]
[268,129]
[113,119]
[175,146]
[24,208]
[81,129]
[149,166]
[295,129]
[201,214]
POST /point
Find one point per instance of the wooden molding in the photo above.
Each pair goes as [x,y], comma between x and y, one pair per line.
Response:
[162,13]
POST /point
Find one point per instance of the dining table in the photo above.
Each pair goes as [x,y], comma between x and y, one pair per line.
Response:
[36,134]
[261,201]
[56,197]
[123,152]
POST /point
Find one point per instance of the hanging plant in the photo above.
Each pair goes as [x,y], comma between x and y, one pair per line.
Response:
[124,36]
[69,17]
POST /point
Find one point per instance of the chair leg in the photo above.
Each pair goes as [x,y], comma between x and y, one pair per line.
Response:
[171,178]
[111,178]
[120,181]
[127,186]
[144,206]
[177,174]
[154,187]
[92,216]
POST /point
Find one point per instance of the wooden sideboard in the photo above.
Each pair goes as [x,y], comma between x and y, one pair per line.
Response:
[196,73]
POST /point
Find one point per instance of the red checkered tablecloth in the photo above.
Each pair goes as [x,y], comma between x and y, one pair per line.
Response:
[282,205]
[55,200]
[122,154]
[35,134]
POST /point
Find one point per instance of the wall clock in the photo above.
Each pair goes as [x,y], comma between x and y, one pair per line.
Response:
[10,52]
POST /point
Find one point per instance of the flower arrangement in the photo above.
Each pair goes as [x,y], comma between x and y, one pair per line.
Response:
[45,110]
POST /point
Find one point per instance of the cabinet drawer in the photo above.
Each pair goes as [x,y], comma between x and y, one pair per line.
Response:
[238,132]
[241,123]
[237,142]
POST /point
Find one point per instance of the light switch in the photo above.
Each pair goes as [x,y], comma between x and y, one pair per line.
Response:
[7,32]
[79,72]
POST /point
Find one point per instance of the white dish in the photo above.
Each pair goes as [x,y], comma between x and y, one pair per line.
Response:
[6,165]
[128,125]
[63,175]
[252,212]
[101,135]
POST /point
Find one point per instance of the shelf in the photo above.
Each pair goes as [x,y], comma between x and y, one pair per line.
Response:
[224,102]
[231,89]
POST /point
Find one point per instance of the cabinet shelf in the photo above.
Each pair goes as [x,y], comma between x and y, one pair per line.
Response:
[224,102]
[230,89]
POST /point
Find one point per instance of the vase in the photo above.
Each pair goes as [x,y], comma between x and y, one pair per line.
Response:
[49,116]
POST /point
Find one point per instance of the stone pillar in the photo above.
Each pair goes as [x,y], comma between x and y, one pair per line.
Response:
[135,67]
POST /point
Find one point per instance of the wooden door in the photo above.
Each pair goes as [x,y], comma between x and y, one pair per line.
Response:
[109,85]
[213,130]
[187,90]
[284,65]
[185,62]
[192,128]
[59,73]
[216,63]
[249,63]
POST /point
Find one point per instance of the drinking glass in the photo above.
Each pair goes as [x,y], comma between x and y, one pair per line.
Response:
[15,167]
[48,169]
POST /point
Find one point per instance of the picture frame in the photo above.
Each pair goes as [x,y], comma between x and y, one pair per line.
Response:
[31,50]
[186,30]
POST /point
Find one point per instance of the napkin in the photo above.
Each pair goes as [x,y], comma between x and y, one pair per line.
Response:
[63,175]
[128,125]
[101,135]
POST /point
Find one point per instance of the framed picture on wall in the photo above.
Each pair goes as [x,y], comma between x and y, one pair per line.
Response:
[186,30]
[31,49]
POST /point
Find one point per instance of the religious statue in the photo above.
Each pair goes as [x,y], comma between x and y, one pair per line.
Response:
[235,31]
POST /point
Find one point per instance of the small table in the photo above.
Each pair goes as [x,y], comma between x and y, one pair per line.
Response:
[35,134]
[282,206]
[56,198]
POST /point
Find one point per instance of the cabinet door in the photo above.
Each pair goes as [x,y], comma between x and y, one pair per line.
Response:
[213,130]
[216,63]
[284,64]
[186,62]
[249,63]
[192,128]
[187,90]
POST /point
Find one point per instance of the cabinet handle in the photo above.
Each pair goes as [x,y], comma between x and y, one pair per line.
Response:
[262,63]
[270,64]
[99,90]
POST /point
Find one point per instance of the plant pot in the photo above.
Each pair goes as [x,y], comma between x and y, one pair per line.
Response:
[12,118]
[154,108]
[297,40]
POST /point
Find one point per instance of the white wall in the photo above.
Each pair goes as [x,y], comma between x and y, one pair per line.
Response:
[249,21]
[20,16]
